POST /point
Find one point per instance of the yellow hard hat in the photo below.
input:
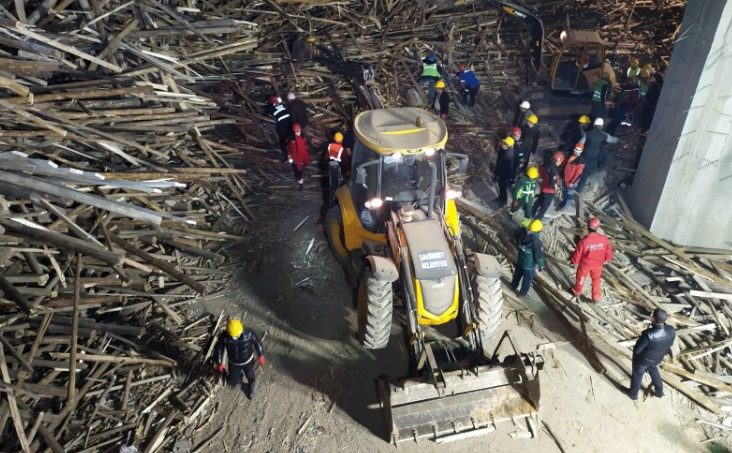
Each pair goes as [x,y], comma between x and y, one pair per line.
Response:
[440,84]
[532,119]
[338,137]
[645,74]
[509,141]
[234,328]
[536,226]
[634,63]
[584,119]
[532,173]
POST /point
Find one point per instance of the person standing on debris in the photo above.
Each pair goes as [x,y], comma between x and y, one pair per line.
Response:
[523,112]
[441,104]
[571,174]
[655,83]
[297,152]
[530,135]
[628,100]
[299,112]
[431,73]
[530,257]
[634,69]
[590,255]
[551,182]
[337,155]
[239,343]
[594,152]
[524,192]
[653,344]
[579,130]
[602,88]
[504,170]
[520,156]
[470,85]
[276,110]
[643,83]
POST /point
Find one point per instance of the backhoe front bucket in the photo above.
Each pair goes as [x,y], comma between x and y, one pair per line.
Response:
[463,403]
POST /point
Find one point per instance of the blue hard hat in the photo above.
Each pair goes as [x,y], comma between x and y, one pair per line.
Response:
[431,57]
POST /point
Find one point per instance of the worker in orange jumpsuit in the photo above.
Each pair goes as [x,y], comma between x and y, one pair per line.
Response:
[590,255]
[297,153]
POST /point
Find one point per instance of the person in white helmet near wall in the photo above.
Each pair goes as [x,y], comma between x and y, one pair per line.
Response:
[594,152]
[523,113]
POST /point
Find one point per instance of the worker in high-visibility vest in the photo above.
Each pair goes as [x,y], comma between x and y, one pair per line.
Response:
[431,73]
[337,157]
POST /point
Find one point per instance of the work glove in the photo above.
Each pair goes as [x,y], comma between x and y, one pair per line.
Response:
[261,360]
[220,368]
[443,115]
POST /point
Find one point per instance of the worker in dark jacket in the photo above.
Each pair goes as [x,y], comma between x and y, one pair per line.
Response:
[523,193]
[441,104]
[530,134]
[298,111]
[551,183]
[590,256]
[579,130]
[470,85]
[504,170]
[594,153]
[520,154]
[240,344]
[530,256]
[281,115]
[571,175]
[524,111]
[654,343]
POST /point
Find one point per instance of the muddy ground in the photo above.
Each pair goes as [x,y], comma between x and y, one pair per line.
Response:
[317,391]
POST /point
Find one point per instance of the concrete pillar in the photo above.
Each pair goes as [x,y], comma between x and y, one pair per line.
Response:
[682,190]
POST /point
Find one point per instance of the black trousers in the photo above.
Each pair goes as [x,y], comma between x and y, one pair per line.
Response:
[503,184]
[469,91]
[236,371]
[639,369]
[542,204]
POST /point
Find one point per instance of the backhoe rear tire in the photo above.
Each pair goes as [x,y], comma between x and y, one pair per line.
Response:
[375,310]
[488,305]
[336,235]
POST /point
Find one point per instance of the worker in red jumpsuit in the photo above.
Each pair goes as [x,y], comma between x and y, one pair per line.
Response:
[297,152]
[590,255]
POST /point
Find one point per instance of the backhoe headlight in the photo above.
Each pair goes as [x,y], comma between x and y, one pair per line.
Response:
[453,194]
[430,152]
[374,203]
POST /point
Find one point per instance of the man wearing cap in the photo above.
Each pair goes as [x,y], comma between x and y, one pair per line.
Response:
[654,343]
[240,344]
[523,113]
[504,170]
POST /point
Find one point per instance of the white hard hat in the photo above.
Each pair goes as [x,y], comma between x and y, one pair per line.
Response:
[599,122]
[525,105]
[290,96]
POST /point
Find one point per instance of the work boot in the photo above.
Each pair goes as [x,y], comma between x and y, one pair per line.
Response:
[252,392]
[632,397]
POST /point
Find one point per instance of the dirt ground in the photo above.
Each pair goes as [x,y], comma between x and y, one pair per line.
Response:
[316,393]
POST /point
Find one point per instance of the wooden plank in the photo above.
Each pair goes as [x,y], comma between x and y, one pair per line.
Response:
[14,414]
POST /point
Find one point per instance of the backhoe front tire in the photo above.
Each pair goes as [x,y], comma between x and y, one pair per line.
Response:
[336,235]
[375,310]
[488,305]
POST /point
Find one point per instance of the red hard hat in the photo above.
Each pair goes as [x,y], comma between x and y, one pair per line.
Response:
[558,156]
[296,127]
[593,223]
[461,67]
[273,100]
[515,131]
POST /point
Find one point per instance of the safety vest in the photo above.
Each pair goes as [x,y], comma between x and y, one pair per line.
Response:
[430,70]
[280,113]
[526,190]
[633,72]
[334,151]
[597,95]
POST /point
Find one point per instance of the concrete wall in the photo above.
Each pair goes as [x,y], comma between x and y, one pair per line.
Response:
[682,191]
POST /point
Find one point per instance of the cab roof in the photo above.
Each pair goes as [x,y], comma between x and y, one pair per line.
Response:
[389,131]
[584,36]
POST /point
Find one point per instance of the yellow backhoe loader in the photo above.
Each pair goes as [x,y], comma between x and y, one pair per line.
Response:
[395,228]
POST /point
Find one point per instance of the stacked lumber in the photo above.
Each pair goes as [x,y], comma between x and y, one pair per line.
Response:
[693,285]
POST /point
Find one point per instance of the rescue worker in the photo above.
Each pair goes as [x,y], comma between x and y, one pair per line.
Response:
[634,69]
[431,73]
[655,83]
[530,135]
[524,192]
[441,104]
[643,82]
[299,112]
[337,155]
[571,174]
[594,151]
[470,85]
[240,344]
[297,153]
[524,112]
[551,182]
[530,256]
[628,100]
[504,170]
[653,344]
[520,156]
[578,132]
[590,255]
[279,112]
[600,92]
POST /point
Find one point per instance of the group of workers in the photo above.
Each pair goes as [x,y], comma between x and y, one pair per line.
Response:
[433,76]
[291,121]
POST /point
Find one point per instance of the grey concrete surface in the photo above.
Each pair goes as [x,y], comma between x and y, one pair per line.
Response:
[683,185]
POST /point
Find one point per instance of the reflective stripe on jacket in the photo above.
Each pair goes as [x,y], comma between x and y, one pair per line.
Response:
[334,151]
[597,96]
[430,70]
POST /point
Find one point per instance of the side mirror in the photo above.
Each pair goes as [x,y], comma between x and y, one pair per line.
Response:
[463,158]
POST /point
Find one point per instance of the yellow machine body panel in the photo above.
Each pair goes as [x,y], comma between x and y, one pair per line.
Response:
[452,218]
[426,318]
[354,233]
[405,130]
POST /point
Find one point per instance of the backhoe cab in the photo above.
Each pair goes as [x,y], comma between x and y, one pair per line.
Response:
[395,228]
[579,63]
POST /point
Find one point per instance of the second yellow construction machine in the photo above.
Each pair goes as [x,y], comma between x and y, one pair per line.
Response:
[395,228]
